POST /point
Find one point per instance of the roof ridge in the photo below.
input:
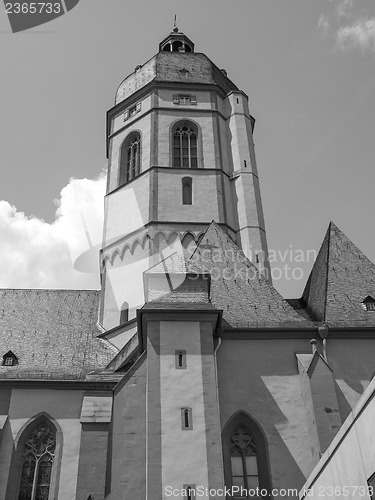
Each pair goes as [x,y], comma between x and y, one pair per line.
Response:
[331,225]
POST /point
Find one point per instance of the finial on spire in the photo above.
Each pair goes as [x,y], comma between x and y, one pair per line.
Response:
[175,29]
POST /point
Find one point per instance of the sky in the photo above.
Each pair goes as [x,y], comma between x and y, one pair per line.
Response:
[308,67]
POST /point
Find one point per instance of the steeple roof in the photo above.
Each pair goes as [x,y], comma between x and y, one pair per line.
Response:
[236,287]
[176,62]
[341,279]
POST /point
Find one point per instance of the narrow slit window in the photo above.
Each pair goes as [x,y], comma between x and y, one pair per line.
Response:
[187,191]
[190,491]
[186,417]
[180,359]
[124,313]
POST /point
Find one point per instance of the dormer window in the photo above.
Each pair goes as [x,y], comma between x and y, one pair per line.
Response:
[10,359]
[369,304]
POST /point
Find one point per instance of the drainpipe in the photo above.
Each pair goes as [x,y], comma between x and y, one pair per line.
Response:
[218,404]
[323,330]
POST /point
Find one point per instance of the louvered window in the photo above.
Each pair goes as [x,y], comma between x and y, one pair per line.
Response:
[129,113]
[185,99]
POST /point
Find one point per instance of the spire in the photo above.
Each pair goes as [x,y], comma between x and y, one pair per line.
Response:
[340,281]
[175,29]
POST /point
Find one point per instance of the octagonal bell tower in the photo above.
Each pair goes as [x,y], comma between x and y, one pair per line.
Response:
[181,154]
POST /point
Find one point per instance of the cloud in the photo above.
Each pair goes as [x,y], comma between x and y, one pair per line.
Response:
[344,8]
[360,35]
[324,25]
[350,24]
[35,254]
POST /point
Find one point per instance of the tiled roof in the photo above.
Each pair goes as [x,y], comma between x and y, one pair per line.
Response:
[236,287]
[52,333]
[341,278]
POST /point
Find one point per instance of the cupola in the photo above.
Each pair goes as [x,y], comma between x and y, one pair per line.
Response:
[176,42]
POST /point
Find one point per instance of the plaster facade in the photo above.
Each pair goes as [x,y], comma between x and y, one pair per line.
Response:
[347,467]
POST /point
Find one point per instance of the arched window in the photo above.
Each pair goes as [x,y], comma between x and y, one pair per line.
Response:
[185,149]
[124,315]
[130,158]
[243,459]
[245,456]
[37,461]
[187,191]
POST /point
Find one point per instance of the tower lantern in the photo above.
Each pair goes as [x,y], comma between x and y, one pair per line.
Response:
[176,41]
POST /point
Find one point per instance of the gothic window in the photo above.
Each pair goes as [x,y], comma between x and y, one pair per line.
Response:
[130,158]
[124,315]
[37,461]
[185,150]
[245,457]
[187,191]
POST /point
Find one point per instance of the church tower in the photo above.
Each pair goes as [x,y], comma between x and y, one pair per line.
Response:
[181,154]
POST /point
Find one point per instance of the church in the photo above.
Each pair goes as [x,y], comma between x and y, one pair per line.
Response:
[187,375]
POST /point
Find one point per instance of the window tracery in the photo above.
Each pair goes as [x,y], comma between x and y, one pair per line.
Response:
[130,162]
[243,459]
[37,461]
[245,454]
[185,150]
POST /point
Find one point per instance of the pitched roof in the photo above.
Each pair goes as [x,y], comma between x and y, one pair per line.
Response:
[341,278]
[52,333]
[236,287]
